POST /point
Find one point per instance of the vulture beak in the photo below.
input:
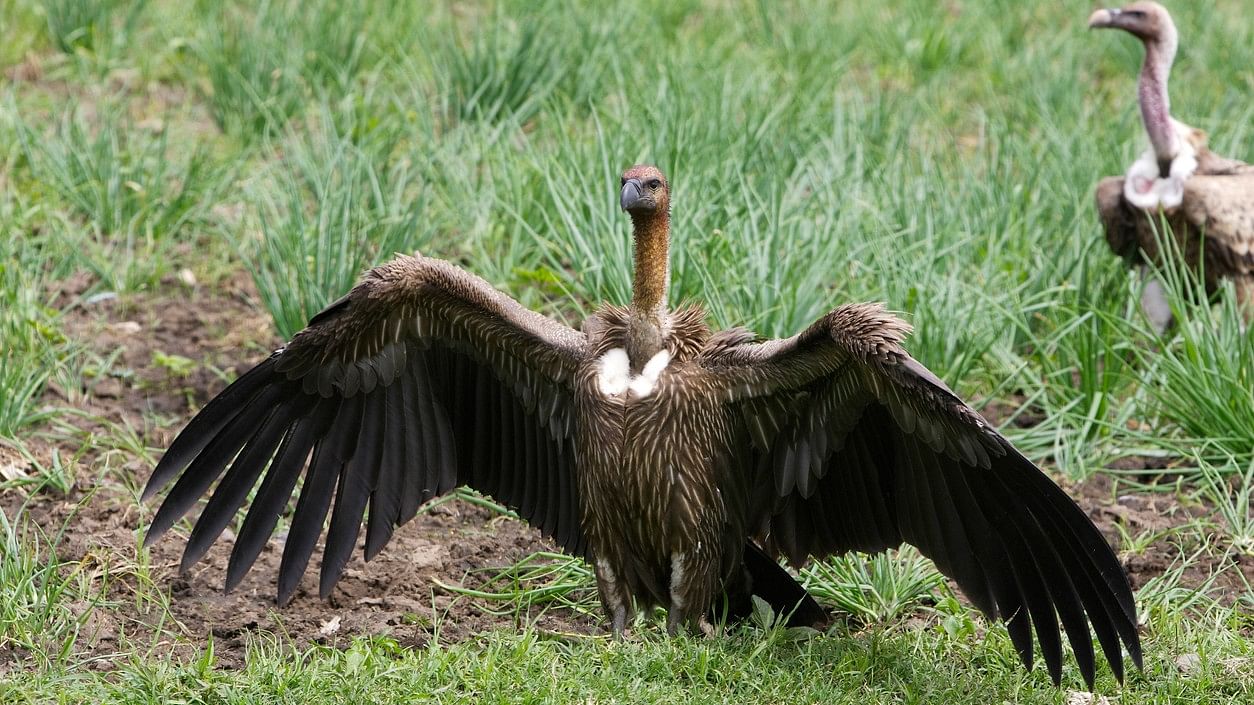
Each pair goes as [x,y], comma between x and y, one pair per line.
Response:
[632,197]
[1103,19]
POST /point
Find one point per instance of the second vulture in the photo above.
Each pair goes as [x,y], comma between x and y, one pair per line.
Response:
[679,461]
[1206,200]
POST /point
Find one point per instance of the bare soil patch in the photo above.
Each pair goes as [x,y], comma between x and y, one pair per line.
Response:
[396,595]
[1227,573]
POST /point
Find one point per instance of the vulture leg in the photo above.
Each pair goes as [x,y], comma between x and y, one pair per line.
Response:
[1244,287]
[1154,301]
[615,599]
[692,574]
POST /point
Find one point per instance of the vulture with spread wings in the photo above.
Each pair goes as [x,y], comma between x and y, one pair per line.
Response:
[680,462]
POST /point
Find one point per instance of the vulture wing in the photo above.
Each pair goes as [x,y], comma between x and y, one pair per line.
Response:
[1118,219]
[856,446]
[423,378]
[1221,206]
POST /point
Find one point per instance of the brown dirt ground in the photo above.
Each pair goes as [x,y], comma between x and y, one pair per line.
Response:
[1228,573]
[396,594]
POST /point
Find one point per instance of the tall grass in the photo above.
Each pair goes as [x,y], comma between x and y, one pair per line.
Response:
[132,193]
[35,350]
[23,26]
[507,68]
[1202,376]
[265,61]
[874,589]
[38,617]
[33,345]
[92,26]
[333,208]
[1232,495]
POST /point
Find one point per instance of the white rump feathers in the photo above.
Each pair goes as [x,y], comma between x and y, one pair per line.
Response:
[615,375]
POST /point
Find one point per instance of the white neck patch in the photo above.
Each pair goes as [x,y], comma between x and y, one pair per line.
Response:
[1145,189]
[615,377]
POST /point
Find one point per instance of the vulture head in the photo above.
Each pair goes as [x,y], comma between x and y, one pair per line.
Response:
[644,191]
[1145,20]
[1155,180]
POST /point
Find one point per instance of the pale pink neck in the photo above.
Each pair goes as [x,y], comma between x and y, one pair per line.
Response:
[1155,104]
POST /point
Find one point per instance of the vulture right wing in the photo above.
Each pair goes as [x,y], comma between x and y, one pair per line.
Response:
[423,378]
[1221,207]
[857,446]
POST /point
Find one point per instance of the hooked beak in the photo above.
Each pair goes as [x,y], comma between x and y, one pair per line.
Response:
[1103,19]
[631,196]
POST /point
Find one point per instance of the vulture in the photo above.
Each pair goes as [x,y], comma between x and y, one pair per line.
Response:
[680,462]
[1206,200]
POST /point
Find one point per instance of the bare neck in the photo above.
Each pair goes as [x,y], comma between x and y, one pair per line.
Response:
[651,234]
[1155,105]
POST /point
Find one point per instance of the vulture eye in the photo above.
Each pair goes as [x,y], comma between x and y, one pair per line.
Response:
[622,181]
[654,183]
[1135,13]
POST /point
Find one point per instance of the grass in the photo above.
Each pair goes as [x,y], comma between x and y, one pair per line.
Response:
[127,197]
[256,84]
[91,26]
[36,351]
[874,589]
[341,205]
[1231,498]
[541,579]
[938,157]
[37,616]
[32,348]
[774,666]
[1205,382]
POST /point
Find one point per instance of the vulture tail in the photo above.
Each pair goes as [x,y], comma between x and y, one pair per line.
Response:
[773,583]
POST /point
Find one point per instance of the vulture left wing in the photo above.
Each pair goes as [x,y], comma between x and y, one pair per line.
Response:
[1118,219]
[856,446]
[422,379]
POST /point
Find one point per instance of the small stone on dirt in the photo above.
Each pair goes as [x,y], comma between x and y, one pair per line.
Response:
[330,626]
[12,471]
[1189,664]
[1078,697]
[100,298]
[125,327]
[428,556]
[108,388]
